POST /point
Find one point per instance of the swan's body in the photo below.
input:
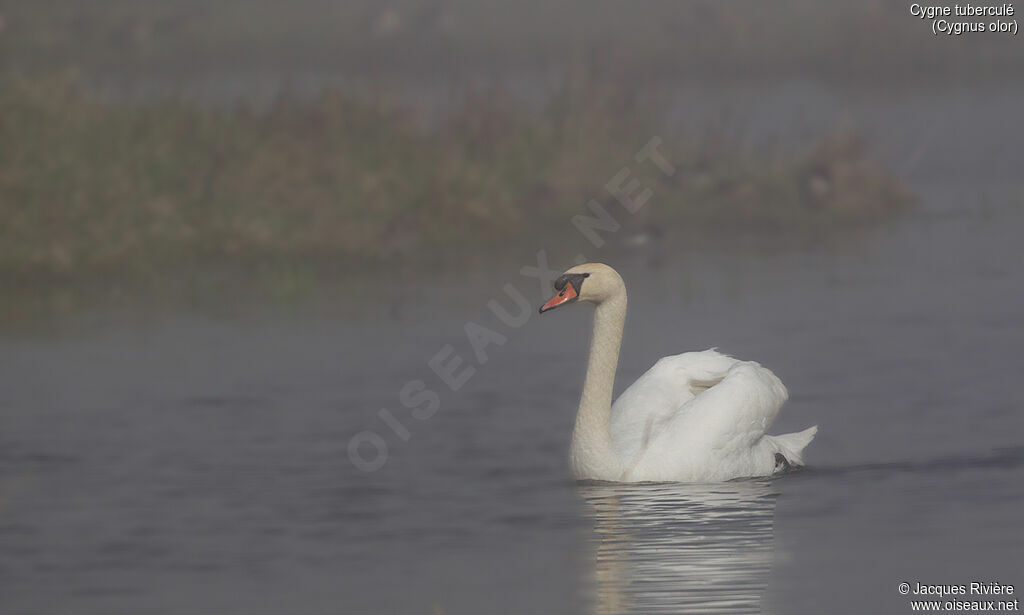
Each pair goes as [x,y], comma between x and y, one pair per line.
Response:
[694,417]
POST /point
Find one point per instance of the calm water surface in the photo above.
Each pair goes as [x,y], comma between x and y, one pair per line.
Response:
[197,462]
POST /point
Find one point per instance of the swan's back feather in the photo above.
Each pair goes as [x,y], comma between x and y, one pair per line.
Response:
[701,417]
[642,409]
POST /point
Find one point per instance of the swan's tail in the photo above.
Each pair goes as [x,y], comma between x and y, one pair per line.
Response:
[792,445]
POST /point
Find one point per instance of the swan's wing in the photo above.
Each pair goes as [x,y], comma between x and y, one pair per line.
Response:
[642,410]
[718,433]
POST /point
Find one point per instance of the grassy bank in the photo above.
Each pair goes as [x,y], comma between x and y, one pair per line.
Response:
[91,186]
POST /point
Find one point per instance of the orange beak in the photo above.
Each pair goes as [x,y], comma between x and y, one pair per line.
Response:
[566,295]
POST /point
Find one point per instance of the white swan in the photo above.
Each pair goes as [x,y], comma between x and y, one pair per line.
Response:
[695,417]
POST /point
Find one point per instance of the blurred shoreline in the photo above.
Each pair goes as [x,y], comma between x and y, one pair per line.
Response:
[150,141]
[93,186]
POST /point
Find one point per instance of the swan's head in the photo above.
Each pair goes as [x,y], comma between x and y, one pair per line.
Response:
[593,282]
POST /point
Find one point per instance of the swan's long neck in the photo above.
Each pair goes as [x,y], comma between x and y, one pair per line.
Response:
[591,453]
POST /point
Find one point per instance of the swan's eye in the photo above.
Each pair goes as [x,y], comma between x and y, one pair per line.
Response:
[562,294]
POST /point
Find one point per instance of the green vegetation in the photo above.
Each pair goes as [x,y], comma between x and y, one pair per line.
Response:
[90,186]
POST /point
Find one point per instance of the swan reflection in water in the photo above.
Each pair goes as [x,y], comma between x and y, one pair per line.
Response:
[677,548]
